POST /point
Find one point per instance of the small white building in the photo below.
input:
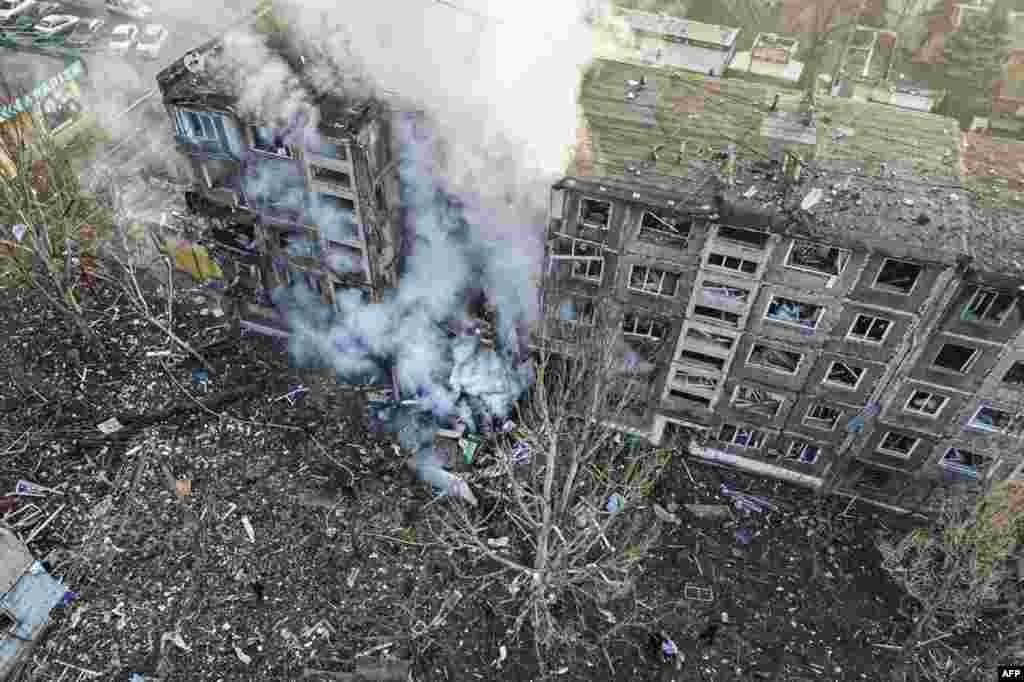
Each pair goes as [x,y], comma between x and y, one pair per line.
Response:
[771,56]
[663,40]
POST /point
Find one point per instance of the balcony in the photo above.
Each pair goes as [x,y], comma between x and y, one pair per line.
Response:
[207,149]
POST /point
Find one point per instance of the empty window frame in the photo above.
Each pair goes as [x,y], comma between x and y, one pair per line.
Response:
[661,227]
[643,326]
[718,340]
[822,417]
[744,438]
[269,141]
[197,126]
[684,381]
[788,311]
[588,261]
[898,276]
[803,452]
[577,311]
[331,176]
[817,258]
[965,462]
[844,375]
[716,292]
[757,400]
[925,403]
[774,359]
[874,479]
[701,359]
[723,316]
[754,239]
[596,213]
[869,329]
[955,358]
[897,445]
[327,148]
[990,419]
[653,281]
[1015,375]
[702,400]
[987,306]
[734,263]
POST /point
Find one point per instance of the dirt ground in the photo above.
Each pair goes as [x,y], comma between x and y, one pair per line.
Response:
[168,585]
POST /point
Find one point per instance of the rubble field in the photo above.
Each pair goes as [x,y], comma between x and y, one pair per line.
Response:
[240,522]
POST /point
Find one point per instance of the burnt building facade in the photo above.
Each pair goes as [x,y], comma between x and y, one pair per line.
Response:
[304,198]
[854,336]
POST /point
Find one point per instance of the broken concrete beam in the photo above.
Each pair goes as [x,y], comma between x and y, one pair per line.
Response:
[709,511]
[390,672]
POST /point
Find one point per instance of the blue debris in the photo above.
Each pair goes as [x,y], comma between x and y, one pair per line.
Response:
[614,503]
[200,377]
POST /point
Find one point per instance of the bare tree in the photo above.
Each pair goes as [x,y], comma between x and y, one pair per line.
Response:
[570,492]
[49,226]
[954,567]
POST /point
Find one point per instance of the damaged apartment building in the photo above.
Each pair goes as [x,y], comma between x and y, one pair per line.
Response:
[308,199]
[804,313]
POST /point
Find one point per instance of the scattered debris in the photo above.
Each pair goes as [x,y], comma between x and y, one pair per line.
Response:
[247,524]
[698,593]
[744,536]
[614,503]
[469,444]
[709,511]
[29,489]
[110,426]
[812,199]
[183,487]
[242,656]
[498,543]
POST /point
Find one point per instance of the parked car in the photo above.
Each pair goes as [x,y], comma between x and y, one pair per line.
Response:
[10,9]
[151,41]
[129,8]
[21,27]
[54,29]
[123,38]
[86,32]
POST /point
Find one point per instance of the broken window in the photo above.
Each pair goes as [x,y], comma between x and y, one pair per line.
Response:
[7,623]
[794,312]
[704,401]
[803,452]
[661,227]
[757,400]
[324,147]
[642,325]
[200,127]
[869,329]
[745,438]
[732,263]
[694,381]
[723,293]
[844,375]
[817,258]
[719,340]
[897,275]
[653,281]
[731,319]
[752,238]
[874,479]
[988,306]
[588,261]
[991,419]
[822,417]
[701,359]
[1015,375]
[897,444]
[595,213]
[955,358]
[774,359]
[331,176]
[923,402]
[965,462]
[269,141]
[577,311]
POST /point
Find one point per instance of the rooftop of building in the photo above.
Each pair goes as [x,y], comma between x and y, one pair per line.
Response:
[668,25]
[625,121]
[928,218]
[211,76]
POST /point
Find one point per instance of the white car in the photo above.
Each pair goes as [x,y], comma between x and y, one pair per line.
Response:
[56,24]
[129,8]
[123,38]
[152,39]
[12,8]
